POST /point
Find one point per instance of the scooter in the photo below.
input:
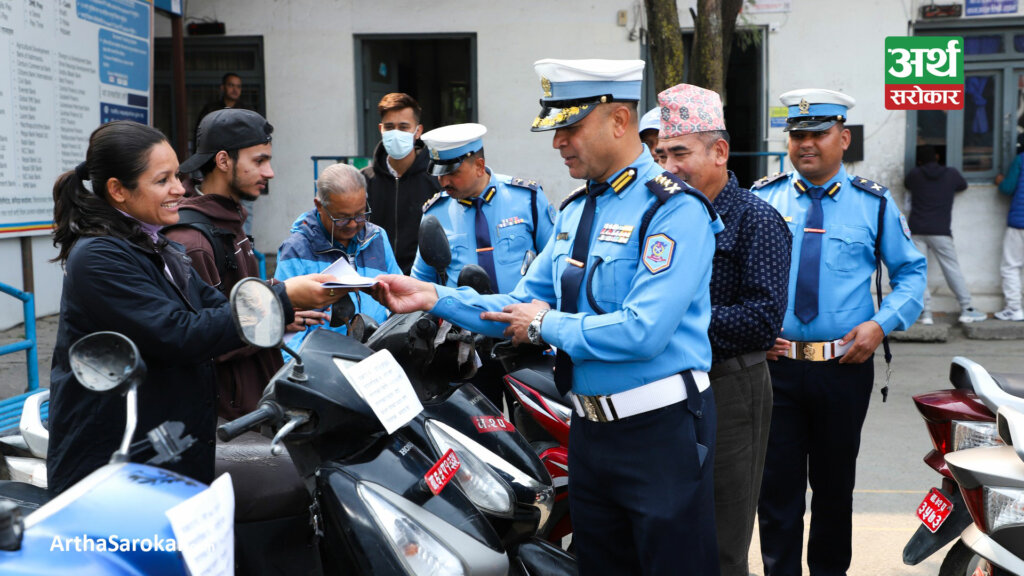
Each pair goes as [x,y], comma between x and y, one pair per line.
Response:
[958,419]
[115,520]
[992,484]
[379,504]
[540,403]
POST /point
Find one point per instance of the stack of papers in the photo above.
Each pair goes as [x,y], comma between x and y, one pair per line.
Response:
[346,276]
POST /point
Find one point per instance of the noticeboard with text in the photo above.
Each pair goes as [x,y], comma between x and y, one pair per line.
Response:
[66,66]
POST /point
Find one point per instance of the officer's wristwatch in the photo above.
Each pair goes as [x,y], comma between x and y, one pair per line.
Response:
[533,330]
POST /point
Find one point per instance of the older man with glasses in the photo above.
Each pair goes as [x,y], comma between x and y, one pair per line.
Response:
[336,227]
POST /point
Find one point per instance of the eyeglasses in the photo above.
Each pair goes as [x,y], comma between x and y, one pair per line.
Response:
[342,222]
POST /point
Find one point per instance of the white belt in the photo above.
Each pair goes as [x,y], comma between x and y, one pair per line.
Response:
[650,396]
[817,351]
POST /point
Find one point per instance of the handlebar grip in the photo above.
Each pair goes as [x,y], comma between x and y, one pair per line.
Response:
[235,428]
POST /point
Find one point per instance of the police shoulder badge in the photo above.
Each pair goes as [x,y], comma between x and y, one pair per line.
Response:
[905,226]
[433,199]
[658,251]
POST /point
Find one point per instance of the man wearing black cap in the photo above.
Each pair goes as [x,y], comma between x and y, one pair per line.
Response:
[233,153]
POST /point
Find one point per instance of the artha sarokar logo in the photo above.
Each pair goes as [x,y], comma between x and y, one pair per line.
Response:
[924,73]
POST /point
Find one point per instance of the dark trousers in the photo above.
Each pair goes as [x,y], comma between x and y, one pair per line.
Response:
[818,413]
[743,400]
[641,493]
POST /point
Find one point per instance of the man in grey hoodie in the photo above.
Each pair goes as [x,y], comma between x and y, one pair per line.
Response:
[932,187]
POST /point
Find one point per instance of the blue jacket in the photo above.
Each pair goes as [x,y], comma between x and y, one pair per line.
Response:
[507,206]
[645,314]
[847,257]
[1013,185]
[310,249]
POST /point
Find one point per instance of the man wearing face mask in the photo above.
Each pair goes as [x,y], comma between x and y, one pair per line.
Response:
[397,184]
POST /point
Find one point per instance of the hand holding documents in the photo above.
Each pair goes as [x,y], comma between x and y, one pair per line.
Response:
[346,276]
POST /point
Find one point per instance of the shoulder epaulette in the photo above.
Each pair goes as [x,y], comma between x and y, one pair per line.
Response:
[666,185]
[433,200]
[524,183]
[768,180]
[577,193]
[869,186]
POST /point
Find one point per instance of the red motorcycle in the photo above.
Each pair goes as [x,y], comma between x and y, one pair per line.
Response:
[542,415]
[957,419]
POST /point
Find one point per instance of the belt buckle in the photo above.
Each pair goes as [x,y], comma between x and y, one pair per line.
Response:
[814,351]
[592,408]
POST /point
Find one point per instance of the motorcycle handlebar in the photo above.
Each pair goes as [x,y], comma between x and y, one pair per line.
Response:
[267,411]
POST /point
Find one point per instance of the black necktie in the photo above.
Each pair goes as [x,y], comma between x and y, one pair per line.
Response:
[572,277]
[484,250]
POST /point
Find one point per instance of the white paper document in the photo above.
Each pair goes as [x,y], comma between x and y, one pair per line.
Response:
[383,384]
[346,275]
[204,529]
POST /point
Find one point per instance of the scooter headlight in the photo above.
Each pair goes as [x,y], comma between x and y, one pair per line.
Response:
[1003,507]
[483,487]
[417,548]
[972,434]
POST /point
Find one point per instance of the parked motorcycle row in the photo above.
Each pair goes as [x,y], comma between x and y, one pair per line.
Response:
[977,429]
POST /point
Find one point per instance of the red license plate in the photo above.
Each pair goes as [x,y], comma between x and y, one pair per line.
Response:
[934,510]
[442,472]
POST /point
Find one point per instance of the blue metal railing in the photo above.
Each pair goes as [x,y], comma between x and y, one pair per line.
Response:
[781,156]
[262,260]
[10,409]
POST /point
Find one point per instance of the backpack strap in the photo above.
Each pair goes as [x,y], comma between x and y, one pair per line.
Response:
[221,241]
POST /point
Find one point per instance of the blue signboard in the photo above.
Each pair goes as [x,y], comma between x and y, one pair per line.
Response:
[172,6]
[129,17]
[990,7]
[124,61]
[111,112]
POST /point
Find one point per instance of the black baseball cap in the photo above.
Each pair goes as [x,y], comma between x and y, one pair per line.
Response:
[227,129]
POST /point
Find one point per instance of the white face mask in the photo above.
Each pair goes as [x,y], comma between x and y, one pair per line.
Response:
[398,143]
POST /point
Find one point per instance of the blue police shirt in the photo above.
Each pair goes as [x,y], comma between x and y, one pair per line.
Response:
[507,206]
[652,292]
[847,258]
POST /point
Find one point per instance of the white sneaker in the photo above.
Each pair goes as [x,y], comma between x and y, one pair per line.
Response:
[1011,315]
[969,314]
[926,318]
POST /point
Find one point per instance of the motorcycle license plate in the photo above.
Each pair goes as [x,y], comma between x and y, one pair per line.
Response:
[934,510]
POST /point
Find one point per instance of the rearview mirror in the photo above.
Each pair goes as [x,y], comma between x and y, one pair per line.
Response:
[258,313]
[361,327]
[106,361]
[434,247]
[476,278]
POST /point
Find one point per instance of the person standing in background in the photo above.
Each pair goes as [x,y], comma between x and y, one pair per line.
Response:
[397,183]
[932,187]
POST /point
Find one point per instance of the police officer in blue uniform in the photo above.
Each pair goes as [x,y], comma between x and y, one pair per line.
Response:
[627,305]
[490,219]
[823,370]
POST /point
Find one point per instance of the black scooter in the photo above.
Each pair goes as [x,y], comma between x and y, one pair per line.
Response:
[374,508]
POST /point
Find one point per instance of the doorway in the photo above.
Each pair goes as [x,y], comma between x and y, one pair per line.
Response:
[438,70]
[744,103]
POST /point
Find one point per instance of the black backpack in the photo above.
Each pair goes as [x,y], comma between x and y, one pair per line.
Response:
[221,240]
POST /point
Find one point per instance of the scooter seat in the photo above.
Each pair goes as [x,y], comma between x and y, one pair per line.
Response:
[542,379]
[1010,383]
[266,486]
[28,497]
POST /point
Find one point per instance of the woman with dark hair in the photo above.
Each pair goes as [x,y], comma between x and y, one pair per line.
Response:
[121,274]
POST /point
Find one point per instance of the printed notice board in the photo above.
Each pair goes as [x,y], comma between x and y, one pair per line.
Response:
[66,66]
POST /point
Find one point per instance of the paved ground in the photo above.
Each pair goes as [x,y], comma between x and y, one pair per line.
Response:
[892,479]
